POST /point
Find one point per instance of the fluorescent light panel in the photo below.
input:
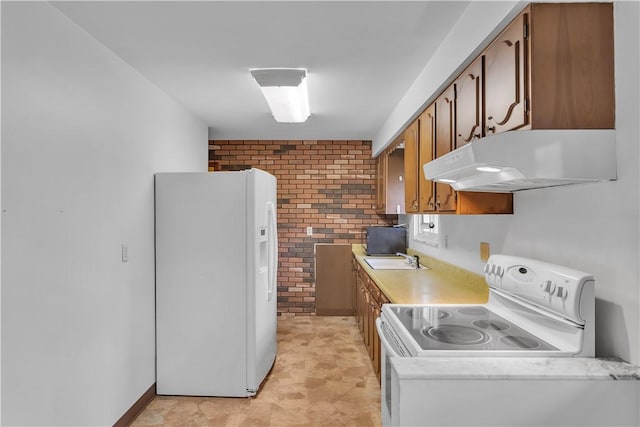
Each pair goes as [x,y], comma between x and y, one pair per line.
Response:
[285,90]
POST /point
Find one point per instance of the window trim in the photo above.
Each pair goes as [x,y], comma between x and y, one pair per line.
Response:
[430,238]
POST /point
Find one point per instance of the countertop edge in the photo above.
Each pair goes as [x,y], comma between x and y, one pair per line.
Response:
[512,368]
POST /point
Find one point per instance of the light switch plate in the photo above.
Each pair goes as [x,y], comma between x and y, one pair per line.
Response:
[125,252]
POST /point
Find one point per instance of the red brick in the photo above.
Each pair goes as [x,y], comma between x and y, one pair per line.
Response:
[305,169]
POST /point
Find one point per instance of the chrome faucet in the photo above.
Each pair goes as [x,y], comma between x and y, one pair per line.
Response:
[412,260]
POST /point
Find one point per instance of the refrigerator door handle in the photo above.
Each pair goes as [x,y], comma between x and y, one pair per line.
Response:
[273,249]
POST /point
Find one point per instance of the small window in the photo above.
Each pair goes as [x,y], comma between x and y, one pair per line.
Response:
[426,229]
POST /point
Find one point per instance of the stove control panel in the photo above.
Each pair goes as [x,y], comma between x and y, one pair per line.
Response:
[552,287]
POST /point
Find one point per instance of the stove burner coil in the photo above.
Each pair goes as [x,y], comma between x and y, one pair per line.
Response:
[472,311]
[491,325]
[519,342]
[454,334]
[440,314]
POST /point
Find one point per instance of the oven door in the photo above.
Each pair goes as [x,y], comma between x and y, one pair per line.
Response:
[391,347]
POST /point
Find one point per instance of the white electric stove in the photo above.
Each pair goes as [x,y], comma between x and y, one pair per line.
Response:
[534,309]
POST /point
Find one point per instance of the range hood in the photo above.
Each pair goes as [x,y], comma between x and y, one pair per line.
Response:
[527,159]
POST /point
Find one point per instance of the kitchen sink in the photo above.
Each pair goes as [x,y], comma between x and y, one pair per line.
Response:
[391,263]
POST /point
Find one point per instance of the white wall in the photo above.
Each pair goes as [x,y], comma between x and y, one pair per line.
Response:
[593,227]
[82,135]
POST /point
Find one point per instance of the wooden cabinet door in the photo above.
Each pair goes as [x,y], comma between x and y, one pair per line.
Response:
[355,267]
[426,141]
[505,79]
[445,142]
[395,178]
[572,65]
[375,348]
[333,271]
[381,177]
[362,301]
[469,104]
[365,314]
[445,122]
[372,331]
[411,169]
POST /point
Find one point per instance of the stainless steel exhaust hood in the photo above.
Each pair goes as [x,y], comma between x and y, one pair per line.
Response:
[528,159]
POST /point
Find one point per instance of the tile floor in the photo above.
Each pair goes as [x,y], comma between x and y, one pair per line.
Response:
[322,377]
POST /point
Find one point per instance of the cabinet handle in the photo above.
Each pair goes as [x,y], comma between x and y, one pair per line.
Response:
[491,129]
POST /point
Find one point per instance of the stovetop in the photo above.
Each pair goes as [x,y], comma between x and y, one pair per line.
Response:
[465,327]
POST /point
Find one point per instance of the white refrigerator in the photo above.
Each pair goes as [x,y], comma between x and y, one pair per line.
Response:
[216,264]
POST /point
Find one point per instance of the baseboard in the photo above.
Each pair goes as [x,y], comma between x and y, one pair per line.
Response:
[137,407]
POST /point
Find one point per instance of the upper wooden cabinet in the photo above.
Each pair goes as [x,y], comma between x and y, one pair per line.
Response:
[445,136]
[552,68]
[411,169]
[506,86]
[426,139]
[572,65]
[381,188]
[469,104]
[390,179]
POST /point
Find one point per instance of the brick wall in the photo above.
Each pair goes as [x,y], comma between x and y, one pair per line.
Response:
[328,185]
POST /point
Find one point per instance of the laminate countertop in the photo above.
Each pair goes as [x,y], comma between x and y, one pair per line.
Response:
[442,283]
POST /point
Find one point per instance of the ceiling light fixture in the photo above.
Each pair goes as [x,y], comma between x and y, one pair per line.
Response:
[285,90]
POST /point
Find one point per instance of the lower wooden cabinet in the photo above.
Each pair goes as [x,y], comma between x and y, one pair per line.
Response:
[369,300]
[332,272]
[355,266]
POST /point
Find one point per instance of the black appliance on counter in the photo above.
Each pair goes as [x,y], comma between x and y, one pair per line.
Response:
[386,240]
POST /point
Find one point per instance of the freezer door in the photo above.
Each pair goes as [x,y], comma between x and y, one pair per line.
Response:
[262,265]
[201,234]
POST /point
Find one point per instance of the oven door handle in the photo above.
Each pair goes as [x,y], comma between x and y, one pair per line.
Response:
[389,348]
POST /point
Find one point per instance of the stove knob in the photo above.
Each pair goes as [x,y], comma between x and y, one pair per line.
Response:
[486,268]
[549,287]
[500,271]
[562,292]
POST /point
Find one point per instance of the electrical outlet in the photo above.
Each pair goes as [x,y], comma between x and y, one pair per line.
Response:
[309,231]
[484,251]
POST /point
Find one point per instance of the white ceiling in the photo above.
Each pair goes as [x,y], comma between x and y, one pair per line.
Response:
[361,56]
